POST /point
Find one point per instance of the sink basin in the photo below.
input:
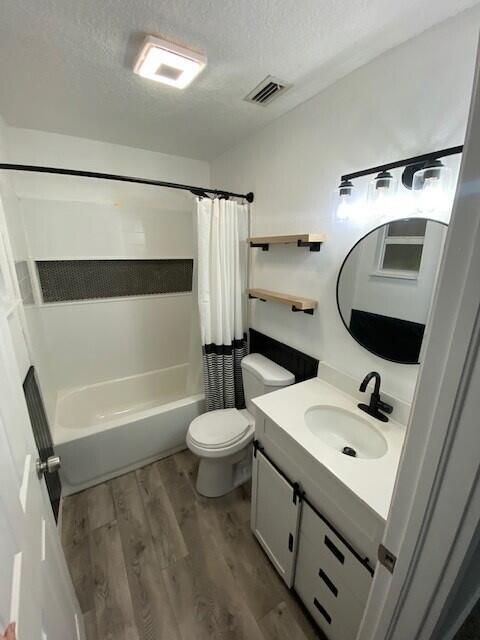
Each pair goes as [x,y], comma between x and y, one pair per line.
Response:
[344,431]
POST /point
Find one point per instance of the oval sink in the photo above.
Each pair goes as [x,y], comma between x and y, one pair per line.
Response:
[339,428]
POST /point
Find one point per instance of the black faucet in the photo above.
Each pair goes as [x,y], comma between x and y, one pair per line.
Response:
[376,405]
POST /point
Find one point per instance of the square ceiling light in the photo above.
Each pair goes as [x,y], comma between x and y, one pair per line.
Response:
[169,63]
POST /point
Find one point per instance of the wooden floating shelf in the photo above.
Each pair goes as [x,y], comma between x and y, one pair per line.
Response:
[311,240]
[296,302]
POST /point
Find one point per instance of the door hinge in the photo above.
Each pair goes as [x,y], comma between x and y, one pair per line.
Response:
[386,558]
[257,447]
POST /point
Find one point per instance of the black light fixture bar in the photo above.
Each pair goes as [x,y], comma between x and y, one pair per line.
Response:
[197,191]
[404,163]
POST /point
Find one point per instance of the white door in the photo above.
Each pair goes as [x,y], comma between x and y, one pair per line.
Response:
[275,515]
[35,588]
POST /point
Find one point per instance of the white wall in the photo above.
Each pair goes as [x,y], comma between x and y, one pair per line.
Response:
[84,342]
[411,100]
[13,254]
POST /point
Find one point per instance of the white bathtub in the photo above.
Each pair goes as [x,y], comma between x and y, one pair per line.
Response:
[112,427]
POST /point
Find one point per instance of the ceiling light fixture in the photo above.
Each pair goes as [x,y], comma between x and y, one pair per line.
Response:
[169,63]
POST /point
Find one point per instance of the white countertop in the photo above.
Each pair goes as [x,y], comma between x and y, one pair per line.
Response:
[371,480]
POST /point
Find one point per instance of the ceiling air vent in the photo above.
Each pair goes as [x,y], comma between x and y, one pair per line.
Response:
[267,90]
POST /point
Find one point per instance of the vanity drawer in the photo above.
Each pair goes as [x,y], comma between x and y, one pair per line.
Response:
[336,609]
[329,554]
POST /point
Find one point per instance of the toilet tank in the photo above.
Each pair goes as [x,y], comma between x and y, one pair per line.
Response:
[260,375]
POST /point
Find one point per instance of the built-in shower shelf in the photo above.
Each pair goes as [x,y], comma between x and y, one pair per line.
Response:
[311,240]
[295,302]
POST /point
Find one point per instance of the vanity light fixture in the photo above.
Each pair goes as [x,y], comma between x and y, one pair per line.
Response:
[426,175]
[344,207]
[168,63]
[431,188]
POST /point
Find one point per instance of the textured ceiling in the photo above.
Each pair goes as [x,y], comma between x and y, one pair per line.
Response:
[66,65]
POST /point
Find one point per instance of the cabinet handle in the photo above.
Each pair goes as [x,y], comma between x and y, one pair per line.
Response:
[328,582]
[336,552]
[290,542]
[323,611]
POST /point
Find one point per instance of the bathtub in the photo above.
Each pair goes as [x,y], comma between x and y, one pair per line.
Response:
[106,429]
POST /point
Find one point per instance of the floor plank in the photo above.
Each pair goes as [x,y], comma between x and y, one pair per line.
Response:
[75,522]
[187,463]
[193,599]
[153,613]
[100,505]
[262,587]
[191,518]
[172,471]
[205,599]
[280,624]
[80,565]
[167,536]
[242,498]
[310,631]
[90,622]
[113,604]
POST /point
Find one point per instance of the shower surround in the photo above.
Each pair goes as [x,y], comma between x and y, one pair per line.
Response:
[119,360]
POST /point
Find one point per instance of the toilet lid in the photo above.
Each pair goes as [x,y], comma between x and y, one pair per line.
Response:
[219,428]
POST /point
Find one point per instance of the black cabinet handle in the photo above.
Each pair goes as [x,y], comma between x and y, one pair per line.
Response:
[335,550]
[290,542]
[323,611]
[328,582]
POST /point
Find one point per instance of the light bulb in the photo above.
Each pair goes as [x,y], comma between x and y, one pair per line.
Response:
[345,207]
[431,189]
[380,194]
[432,197]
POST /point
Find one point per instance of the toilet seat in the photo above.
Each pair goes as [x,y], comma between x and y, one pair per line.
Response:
[220,429]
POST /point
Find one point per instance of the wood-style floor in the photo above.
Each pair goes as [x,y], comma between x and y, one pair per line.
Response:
[152,560]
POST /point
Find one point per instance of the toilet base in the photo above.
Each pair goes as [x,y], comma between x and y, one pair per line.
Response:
[218,476]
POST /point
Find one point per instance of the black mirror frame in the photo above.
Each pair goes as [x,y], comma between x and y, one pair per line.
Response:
[340,273]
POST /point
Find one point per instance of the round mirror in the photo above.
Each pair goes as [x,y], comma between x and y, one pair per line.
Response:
[385,287]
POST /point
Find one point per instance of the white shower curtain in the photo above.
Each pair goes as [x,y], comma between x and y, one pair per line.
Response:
[222,229]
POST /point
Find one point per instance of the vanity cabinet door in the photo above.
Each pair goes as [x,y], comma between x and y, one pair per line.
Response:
[275,515]
[330,579]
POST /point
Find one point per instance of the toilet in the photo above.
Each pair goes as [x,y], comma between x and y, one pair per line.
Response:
[222,439]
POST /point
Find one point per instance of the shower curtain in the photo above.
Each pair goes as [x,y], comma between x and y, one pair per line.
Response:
[222,229]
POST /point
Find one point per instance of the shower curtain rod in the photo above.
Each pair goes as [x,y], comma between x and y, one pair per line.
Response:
[197,191]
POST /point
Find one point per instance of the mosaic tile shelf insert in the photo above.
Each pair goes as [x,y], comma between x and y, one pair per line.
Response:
[70,280]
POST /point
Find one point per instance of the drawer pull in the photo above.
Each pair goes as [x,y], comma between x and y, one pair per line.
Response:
[324,613]
[328,582]
[336,552]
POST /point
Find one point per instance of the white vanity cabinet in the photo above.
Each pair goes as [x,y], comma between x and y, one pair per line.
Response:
[275,515]
[331,577]
[320,515]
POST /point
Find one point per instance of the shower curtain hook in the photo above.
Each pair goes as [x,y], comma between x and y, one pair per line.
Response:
[199,193]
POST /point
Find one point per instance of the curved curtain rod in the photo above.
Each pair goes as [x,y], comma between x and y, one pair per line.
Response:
[197,191]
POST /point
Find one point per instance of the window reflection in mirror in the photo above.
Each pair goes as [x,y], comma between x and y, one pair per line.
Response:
[386,284]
